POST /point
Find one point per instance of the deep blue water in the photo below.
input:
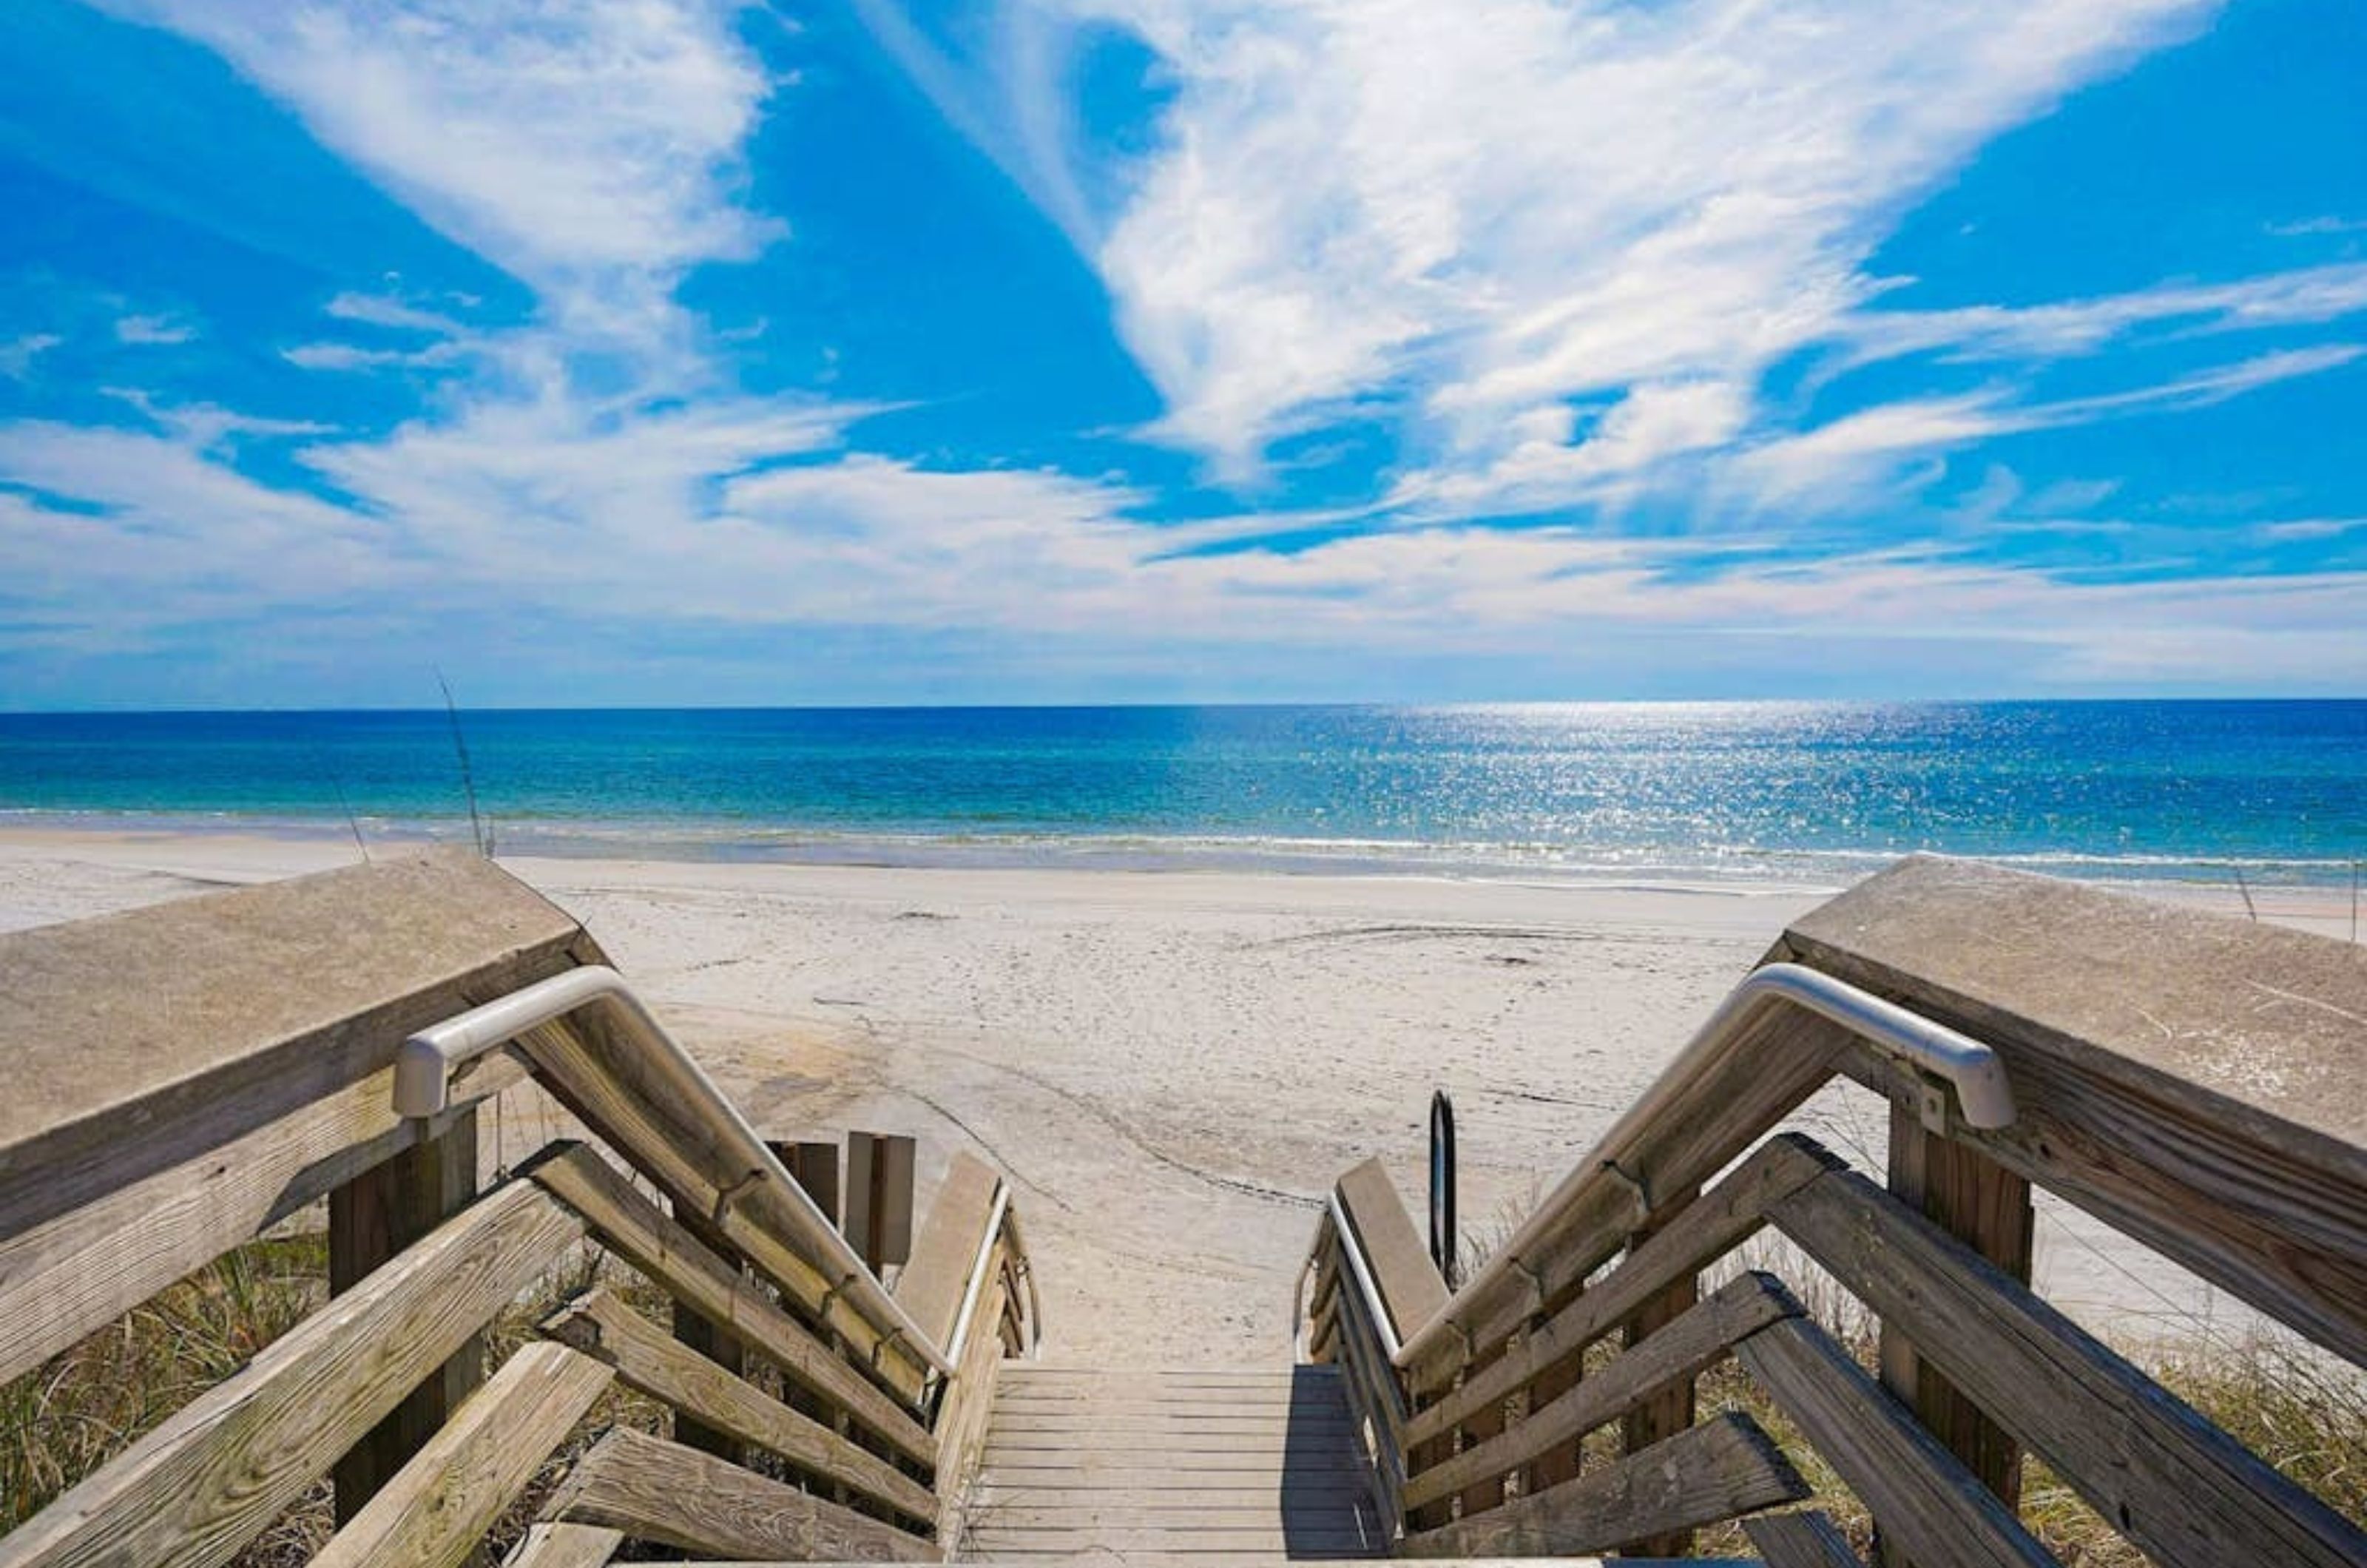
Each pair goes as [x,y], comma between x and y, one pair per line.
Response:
[1820,791]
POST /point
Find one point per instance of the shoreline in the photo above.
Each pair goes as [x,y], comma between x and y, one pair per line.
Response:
[1172,1067]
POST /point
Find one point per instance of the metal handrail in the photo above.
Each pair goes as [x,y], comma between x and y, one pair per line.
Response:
[1971,1068]
[421,1088]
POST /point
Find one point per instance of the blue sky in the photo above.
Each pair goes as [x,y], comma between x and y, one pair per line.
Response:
[1118,350]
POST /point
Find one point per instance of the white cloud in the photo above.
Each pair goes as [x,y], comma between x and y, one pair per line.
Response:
[16,357]
[1505,203]
[153,329]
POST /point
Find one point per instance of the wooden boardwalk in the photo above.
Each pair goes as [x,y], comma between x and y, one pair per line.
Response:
[1222,1462]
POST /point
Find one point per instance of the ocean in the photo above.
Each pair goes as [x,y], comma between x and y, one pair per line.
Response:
[1817,793]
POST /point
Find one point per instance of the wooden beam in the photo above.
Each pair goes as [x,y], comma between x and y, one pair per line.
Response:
[653,1489]
[934,1283]
[967,1411]
[433,1512]
[600,1325]
[1723,1468]
[140,1042]
[371,1218]
[702,1335]
[2189,1079]
[2183,1492]
[1805,1540]
[1671,1410]
[632,1226]
[1696,1340]
[217,1471]
[564,1546]
[878,1203]
[1987,1207]
[1709,1228]
[1919,1493]
[669,1135]
[1411,1290]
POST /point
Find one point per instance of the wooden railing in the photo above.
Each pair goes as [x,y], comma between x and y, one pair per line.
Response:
[2193,1081]
[190,1074]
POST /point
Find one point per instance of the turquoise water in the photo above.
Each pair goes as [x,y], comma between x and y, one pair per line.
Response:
[1815,792]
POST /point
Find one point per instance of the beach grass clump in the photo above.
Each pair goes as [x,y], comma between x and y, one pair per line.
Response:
[65,1418]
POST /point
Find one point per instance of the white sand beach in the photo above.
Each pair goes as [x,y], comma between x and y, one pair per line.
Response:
[1172,1067]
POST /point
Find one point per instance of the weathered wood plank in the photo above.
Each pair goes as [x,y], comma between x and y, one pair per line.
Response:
[669,1134]
[704,1337]
[547,1545]
[217,1470]
[77,1271]
[966,1415]
[140,1042]
[2182,1490]
[371,1218]
[1709,1228]
[932,1286]
[1919,1493]
[632,1226]
[601,1326]
[1411,1291]
[1805,1540]
[1671,1410]
[2190,1079]
[432,1513]
[653,1489]
[1683,1347]
[1725,1467]
[1987,1207]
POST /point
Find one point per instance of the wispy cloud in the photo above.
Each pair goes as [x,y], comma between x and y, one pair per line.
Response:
[16,357]
[157,330]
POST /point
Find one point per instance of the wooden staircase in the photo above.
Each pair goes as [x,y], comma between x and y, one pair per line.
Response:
[1199,1462]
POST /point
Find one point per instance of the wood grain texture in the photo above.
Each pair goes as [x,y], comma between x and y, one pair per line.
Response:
[1919,1493]
[932,1286]
[1719,1470]
[433,1512]
[1805,1540]
[601,1326]
[1683,1347]
[658,1246]
[1411,1291]
[217,1470]
[140,1041]
[2182,1490]
[1709,1228]
[77,1271]
[371,1218]
[669,1134]
[546,1545]
[2189,1079]
[657,1490]
[965,1415]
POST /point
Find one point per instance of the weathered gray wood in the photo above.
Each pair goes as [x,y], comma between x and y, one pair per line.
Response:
[812,1165]
[1683,1347]
[217,1470]
[653,1489]
[965,1414]
[2189,1079]
[1411,1291]
[2181,1489]
[932,1284]
[601,1326]
[1725,1467]
[702,1335]
[1671,1410]
[77,1271]
[1709,1228]
[669,1132]
[630,1225]
[877,1204]
[1778,1058]
[1987,1207]
[137,1042]
[1805,1540]
[546,1545]
[371,1218]
[1919,1493]
[432,1513]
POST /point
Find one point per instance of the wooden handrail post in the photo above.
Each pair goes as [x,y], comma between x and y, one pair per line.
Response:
[1987,1207]
[371,1218]
[695,1331]
[1672,1411]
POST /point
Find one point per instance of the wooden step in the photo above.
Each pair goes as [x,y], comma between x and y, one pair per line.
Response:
[1198,1464]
